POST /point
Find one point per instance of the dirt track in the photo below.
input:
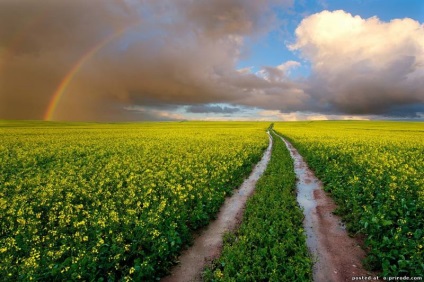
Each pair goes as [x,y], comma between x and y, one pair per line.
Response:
[208,244]
[337,256]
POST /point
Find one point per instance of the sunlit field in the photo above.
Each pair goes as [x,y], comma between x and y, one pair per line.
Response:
[119,201]
[375,172]
[126,124]
[81,201]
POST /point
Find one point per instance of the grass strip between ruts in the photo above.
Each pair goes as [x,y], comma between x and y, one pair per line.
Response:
[270,244]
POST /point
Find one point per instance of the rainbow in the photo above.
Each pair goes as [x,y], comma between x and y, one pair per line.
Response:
[64,83]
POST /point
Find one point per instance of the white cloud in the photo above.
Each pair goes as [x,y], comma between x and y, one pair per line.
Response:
[246,70]
[285,67]
[339,39]
[278,73]
[362,66]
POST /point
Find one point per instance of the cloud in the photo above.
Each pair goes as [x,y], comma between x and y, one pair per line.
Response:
[362,66]
[145,113]
[179,52]
[246,70]
[212,109]
[301,116]
[279,73]
[415,111]
[40,41]
[146,59]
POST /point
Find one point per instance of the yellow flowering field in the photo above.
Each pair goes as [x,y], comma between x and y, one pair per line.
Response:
[102,202]
[375,173]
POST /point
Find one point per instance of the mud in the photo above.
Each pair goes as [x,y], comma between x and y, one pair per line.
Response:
[337,257]
[208,245]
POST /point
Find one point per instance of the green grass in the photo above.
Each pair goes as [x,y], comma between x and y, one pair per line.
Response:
[270,244]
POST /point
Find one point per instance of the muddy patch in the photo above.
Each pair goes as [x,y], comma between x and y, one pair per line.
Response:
[337,257]
[207,246]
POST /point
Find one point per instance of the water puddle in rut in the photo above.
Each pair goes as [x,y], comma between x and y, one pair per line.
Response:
[337,257]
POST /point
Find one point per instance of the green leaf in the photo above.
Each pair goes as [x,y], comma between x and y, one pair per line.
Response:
[387,222]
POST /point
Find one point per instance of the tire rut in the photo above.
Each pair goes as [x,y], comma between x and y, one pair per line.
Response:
[337,257]
[207,246]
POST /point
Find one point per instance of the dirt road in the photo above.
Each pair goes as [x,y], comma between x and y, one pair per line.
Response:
[337,257]
[208,244]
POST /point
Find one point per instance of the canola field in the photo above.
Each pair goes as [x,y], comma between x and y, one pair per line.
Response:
[375,173]
[109,202]
[118,202]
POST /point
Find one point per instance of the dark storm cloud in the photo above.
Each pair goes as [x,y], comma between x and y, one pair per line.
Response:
[179,53]
[413,111]
[34,27]
[40,41]
[220,18]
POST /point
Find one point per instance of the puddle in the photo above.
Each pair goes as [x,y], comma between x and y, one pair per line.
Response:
[305,186]
[337,257]
[208,245]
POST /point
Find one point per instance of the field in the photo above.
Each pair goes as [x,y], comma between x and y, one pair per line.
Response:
[113,202]
[375,172]
[118,202]
[270,244]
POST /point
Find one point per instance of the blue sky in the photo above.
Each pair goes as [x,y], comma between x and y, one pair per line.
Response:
[133,60]
[271,50]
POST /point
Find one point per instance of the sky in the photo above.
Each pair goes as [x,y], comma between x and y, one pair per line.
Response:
[137,60]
